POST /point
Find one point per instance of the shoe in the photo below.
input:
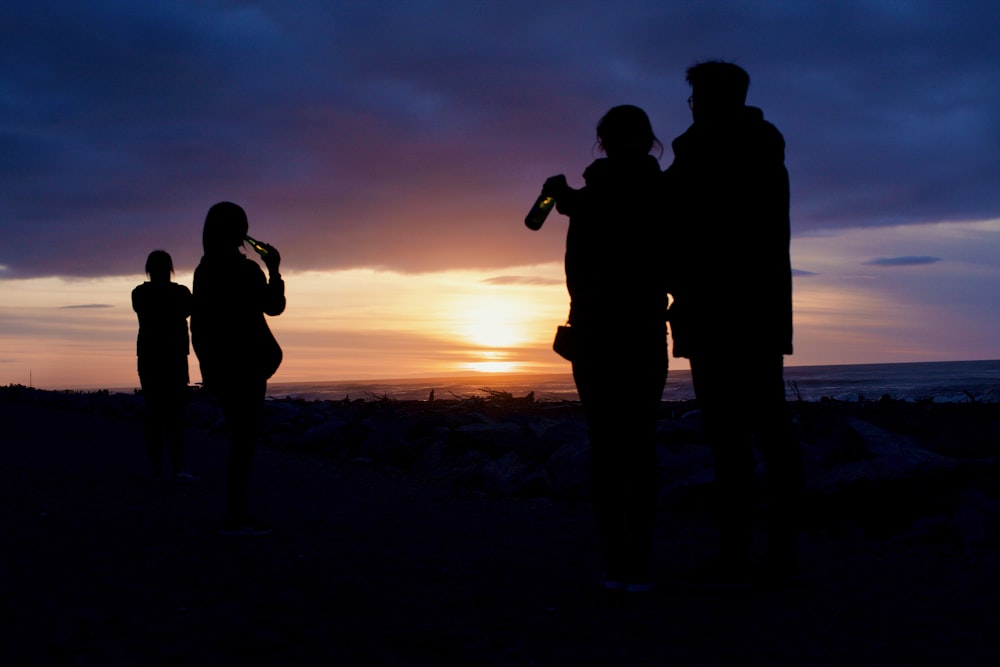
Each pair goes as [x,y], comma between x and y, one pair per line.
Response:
[186,477]
[244,528]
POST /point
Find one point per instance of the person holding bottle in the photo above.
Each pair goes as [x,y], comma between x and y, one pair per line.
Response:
[162,348]
[618,301]
[236,351]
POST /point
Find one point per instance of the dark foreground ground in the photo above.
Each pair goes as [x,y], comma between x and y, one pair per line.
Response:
[101,565]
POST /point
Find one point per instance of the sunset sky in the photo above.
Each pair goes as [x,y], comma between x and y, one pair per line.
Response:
[391,149]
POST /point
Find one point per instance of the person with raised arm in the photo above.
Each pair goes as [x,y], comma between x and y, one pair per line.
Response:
[236,350]
[618,301]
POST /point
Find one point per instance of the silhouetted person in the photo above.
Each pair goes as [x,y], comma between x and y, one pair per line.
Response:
[236,350]
[162,349]
[618,301]
[732,310]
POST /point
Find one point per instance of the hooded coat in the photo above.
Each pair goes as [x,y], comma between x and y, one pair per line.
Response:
[228,329]
[728,195]
[615,244]
[162,345]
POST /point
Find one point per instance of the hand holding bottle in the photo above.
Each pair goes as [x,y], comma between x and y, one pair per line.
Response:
[272,259]
[268,253]
[555,186]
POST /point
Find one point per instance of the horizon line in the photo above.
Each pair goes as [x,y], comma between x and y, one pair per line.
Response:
[483,375]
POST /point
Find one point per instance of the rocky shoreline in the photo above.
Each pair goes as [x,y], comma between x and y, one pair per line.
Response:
[881,467]
[459,532]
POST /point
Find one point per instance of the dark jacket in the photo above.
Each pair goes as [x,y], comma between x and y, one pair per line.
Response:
[728,194]
[228,329]
[614,246]
[163,309]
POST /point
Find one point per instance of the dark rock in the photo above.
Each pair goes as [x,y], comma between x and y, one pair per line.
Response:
[569,469]
[543,444]
[322,435]
[467,468]
[889,457]
[431,458]
[491,439]
[535,482]
[503,475]
[977,519]
[565,432]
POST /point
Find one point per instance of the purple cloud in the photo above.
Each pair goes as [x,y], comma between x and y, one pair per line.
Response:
[911,260]
[413,136]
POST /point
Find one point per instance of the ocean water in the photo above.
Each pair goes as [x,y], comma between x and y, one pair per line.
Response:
[946,381]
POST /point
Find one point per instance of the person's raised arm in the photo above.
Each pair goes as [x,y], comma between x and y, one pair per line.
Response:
[274,294]
[567,199]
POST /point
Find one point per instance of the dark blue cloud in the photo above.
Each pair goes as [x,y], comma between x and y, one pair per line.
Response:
[911,260]
[413,135]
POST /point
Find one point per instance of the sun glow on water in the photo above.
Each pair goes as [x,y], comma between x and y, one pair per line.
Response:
[493,366]
[494,362]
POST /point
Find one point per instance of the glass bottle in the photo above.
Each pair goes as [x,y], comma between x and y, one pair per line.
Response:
[536,216]
[256,245]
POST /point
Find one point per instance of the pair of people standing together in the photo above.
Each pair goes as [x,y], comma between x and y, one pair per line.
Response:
[236,350]
[713,232]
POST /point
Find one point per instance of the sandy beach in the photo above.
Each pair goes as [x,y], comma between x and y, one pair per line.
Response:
[459,533]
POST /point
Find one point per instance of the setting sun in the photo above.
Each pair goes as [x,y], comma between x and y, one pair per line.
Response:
[492,321]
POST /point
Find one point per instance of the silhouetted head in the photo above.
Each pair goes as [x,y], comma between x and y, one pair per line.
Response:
[718,89]
[159,266]
[225,228]
[625,130]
